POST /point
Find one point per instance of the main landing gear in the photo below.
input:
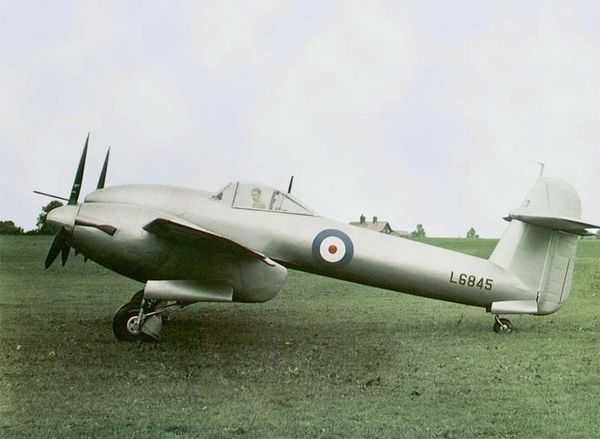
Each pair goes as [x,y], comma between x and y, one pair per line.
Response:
[140,318]
[502,326]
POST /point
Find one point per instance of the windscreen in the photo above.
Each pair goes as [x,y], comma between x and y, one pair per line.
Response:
[259,197]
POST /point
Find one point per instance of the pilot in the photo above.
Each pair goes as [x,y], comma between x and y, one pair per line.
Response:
[257,202]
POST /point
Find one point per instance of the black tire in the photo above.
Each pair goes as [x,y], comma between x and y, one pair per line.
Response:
[504,327]
[137,298]
[121,321]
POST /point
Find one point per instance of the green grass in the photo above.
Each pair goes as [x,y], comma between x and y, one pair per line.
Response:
[325,358]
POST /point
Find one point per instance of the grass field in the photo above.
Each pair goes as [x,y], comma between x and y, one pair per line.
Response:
[325,358]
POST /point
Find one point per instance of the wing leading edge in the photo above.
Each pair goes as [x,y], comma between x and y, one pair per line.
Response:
[183,231]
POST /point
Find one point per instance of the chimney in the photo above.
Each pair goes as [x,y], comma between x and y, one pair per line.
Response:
[374,219]
[362,219]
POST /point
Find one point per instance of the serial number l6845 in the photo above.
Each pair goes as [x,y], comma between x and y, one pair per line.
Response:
[483,283]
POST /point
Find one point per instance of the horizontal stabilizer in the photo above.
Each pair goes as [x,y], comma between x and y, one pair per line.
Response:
[562,224]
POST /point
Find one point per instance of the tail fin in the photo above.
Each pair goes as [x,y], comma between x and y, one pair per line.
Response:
[540,242]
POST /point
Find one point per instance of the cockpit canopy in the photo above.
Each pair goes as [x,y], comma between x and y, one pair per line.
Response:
[259,197]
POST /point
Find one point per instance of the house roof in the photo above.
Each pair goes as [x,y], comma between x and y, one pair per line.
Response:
[378,226]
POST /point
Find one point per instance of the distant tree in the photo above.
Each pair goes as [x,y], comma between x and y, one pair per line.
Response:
[9,228]
[419,233]
[471,233]
[43,228]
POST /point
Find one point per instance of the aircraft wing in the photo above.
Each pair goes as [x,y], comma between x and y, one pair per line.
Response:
[185,232]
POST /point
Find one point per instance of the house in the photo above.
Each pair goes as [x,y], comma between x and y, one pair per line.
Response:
[376,226]
[379,226]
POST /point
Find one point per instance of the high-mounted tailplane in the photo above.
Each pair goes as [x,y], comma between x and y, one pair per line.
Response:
[539,246]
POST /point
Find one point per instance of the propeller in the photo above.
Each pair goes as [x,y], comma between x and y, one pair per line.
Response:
[102,178]
[60,244]
[74,197]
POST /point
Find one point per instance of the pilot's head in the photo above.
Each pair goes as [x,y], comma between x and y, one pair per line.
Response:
[256,194]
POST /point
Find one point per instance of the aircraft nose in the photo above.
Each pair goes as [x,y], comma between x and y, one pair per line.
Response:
[63,216]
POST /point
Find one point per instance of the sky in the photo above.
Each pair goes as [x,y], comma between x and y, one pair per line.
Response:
[431,112]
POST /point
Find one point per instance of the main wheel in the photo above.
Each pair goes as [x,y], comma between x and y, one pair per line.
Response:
[125,322]
[137,297]
[502,326]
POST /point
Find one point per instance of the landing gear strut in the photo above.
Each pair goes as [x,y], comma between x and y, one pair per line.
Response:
[139,318]
[502,326]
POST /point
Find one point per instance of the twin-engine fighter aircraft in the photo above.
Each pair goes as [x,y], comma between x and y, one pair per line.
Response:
[234,245]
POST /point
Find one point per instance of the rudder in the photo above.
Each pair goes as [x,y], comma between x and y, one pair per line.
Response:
[540,243]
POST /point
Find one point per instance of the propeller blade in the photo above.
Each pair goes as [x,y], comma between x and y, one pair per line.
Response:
[290,186]
[74,197]
[65,253]
[50,195]
[102,178]
[56,247]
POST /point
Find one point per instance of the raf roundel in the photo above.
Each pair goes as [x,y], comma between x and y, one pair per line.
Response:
[332,248]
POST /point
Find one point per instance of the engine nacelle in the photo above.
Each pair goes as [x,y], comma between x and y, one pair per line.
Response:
[126,248]
[254,281]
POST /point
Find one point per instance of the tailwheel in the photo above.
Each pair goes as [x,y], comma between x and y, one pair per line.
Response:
[126,323]
[502,326]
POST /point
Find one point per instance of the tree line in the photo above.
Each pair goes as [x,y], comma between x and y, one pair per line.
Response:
[42,227]
[419,232]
